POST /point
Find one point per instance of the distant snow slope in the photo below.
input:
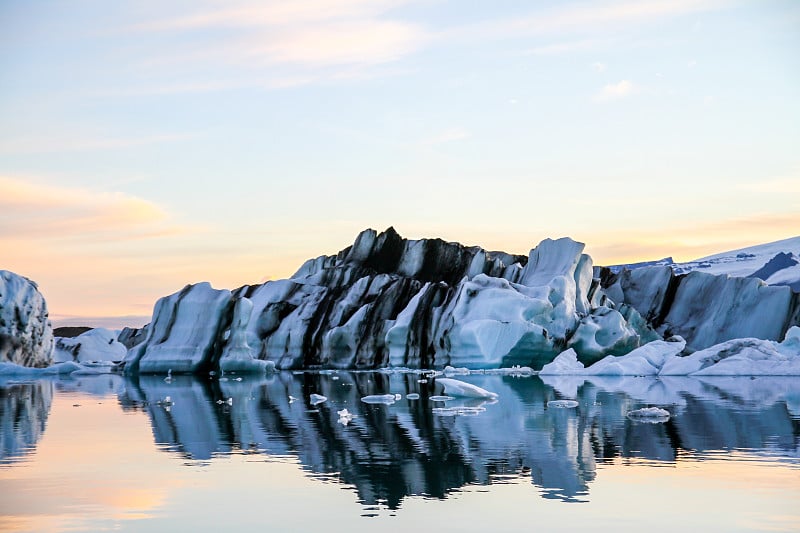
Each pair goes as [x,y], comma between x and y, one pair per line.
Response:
[744,261]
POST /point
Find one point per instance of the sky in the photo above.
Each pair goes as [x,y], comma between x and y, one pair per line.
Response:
[147,144]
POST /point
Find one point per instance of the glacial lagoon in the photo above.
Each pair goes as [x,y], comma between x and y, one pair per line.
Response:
[106,452]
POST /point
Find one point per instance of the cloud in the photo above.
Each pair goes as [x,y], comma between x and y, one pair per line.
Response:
[305,34]
[587,18]
[448,135]
[616,91]
[66,143]
[568,46]
[37,211]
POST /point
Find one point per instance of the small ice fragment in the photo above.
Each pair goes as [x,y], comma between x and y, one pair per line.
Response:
[463,389]
[334,378]
[238,379]
[422,381]
[344,416]
[316,399]
[440,398]
[652,415]
[230,401]
[450,371]
[387,399]
[398,397]
[562,404]
[460,410]
[412,396]
[292,399]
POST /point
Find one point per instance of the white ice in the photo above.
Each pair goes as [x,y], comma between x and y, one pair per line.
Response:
[316,399]
[98,344]
[457,388]
[562,404]
[386,399]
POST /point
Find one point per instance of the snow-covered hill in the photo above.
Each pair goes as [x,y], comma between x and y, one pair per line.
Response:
[777,263]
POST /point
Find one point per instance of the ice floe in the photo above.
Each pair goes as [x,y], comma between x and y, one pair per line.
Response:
[737,357]
[386,399]
[562,404]
[457,388]
[650,414]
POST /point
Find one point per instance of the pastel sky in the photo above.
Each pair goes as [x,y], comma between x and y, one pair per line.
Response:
[149,144]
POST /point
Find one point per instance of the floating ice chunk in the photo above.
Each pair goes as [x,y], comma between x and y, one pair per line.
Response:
[461,410]
[12,369]
[316,399]
[463,389]
[440,398]
[562,404]
[292,399]
[514,371]
[386,399]
[412,396]
[345,416]
[653,415]
[450,371]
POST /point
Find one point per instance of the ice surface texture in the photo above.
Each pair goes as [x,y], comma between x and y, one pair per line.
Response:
[26,336]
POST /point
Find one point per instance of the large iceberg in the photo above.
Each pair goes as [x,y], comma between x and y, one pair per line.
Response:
[388,301]
[26,335]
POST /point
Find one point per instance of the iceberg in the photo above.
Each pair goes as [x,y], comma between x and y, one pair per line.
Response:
[98,344]
[26,335]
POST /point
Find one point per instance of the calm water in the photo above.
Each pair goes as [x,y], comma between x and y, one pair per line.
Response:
[107,453]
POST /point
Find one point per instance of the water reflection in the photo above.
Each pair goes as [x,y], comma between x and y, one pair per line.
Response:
[388,452]
[23,414]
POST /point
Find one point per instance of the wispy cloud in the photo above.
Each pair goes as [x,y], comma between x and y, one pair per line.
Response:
[77,143]
[277,44]
[616,91]
[588,18]
[306,34]
[39,211]
[565,47]
[448,135]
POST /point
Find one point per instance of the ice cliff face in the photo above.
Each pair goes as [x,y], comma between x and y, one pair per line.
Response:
[390,301]
[26,335]
[705,309]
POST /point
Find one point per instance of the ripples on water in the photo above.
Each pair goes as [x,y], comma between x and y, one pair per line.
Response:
[265,436]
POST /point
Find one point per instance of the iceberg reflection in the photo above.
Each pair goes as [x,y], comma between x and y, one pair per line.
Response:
[23,415]
[413,447]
